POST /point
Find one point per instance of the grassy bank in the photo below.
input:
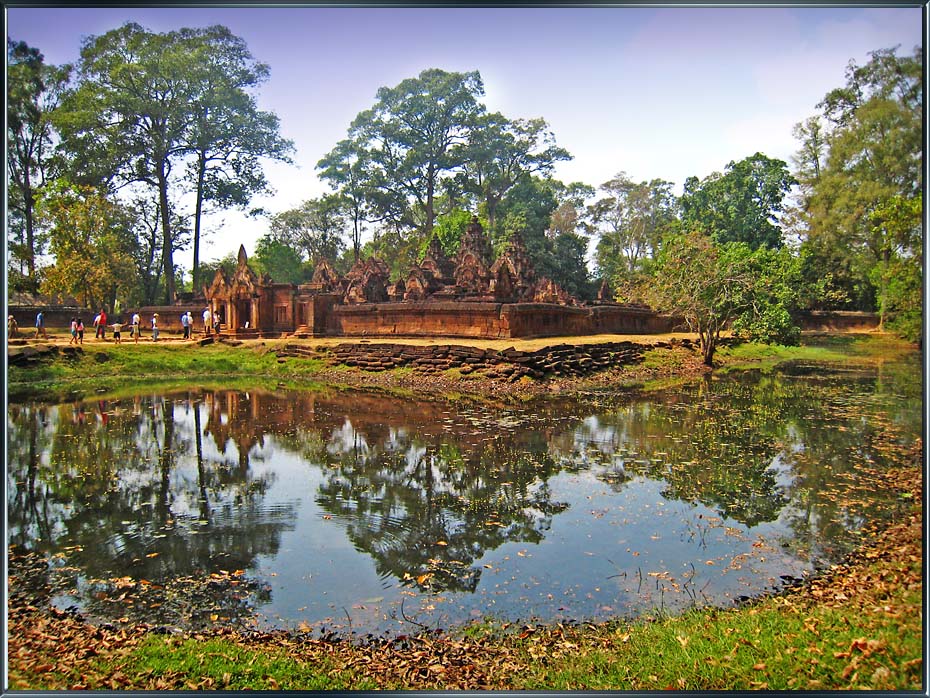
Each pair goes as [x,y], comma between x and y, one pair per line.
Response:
[856,627]
[110,369]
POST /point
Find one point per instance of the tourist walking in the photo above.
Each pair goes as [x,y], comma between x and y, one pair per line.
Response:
[185,326]
[80,331]
[217,321]
[206,321]
[40,325]
[102,325]
[155,327]
[134,327]
[73,339]
[117,328]
[190,325]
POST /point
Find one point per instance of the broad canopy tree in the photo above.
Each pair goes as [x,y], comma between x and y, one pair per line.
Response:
[501,153]
[147,103]
[742,204]
[34,90]
[229,134]
[715,286]
[415,136]
[91,237]
[428,148]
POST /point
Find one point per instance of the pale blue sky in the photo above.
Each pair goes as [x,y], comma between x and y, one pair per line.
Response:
[654,92]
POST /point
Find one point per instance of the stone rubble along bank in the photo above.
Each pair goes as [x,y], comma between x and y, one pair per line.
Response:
[510,364]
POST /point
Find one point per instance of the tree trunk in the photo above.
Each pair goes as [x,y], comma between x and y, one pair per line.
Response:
[167,240]
[491,203]
[30,229]
[430,189]
[198,210]
[708,347]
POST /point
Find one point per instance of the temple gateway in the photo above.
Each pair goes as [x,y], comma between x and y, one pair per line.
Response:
[470,295]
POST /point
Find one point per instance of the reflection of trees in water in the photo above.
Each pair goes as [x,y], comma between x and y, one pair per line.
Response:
[426,511]
[127,486]
[754,448]
[29,514]
[840,429]
[706,446]
[174,475]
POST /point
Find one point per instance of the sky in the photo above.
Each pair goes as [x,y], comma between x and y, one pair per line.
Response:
[653,92]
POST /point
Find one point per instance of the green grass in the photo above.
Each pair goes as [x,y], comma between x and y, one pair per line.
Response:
[221,664]
[772,646]
[112,367]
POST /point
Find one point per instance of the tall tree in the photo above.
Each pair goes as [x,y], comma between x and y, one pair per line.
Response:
[149,103]
[630,220]
[229,135]
[411,140]
[128,119]
[501,152]
[34,90]
[742,204]
[345,167]
[866,197]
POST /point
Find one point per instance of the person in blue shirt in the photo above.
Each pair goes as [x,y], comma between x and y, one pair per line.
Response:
[40,325]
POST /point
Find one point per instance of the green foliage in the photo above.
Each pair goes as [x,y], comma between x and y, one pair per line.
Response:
[33,92]
[502,152]
[449,229]
[402,150]
[774,299]
[712,286]
[630,220]
[860,172]
[740,205]
[91,239]
[146,104]
[316,228]
[280,261]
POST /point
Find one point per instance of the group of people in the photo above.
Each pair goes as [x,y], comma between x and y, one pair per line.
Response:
[211,321]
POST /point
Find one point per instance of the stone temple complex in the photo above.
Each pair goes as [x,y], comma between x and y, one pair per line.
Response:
[469,295]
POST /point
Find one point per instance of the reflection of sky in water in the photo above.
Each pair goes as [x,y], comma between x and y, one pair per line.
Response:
[460,514]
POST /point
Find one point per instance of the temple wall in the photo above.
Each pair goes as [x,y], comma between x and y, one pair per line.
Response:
[839,321]
[418,319]
[483,320]
[279,312]
[607,319]
[56,316]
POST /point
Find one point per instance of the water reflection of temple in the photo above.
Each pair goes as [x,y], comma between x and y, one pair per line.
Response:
[423,496]
[470,294]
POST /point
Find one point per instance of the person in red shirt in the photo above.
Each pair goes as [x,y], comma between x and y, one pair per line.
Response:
[102,326]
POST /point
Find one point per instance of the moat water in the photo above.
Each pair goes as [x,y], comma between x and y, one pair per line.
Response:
[350,512]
